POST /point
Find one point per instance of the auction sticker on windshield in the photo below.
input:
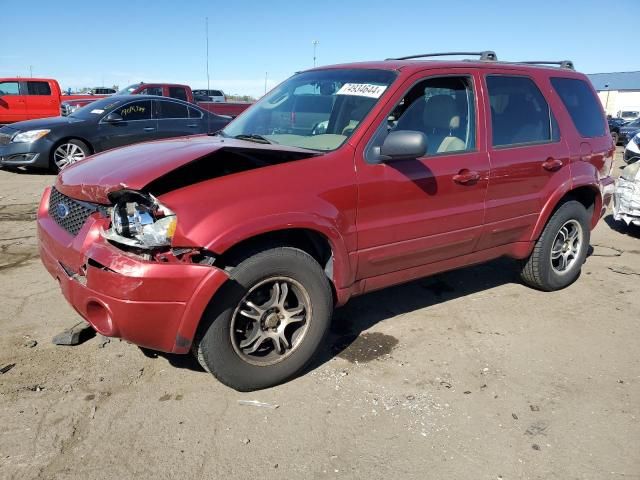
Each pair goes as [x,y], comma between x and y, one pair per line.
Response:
[362,90]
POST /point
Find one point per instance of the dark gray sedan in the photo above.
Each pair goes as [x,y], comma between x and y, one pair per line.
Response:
[107,123]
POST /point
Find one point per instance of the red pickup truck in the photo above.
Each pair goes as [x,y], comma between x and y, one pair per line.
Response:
[173,90]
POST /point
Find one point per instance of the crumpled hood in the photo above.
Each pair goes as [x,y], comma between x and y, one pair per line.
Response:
[136,166]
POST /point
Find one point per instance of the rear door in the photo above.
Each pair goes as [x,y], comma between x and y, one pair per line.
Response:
[138,125]
[173,119]
[529,157]
[40,99]
[13,107]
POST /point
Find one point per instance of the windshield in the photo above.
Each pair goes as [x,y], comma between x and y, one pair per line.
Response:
[128,90]
[317,110]
[95,109]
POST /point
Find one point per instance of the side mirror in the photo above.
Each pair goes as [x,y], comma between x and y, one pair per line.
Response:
[403,145]
[113,117]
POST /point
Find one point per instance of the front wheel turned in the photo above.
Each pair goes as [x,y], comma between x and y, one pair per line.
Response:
[267,321]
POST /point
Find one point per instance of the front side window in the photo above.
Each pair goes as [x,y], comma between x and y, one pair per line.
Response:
[443,109]
[128,90]
[38,88]
[317,110]
[9,88]
[178,92]
[519,112]
[582,105]
[135,111]
[172,110]
[157,91]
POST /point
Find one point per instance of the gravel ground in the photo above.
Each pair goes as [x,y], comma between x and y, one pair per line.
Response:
[465,375]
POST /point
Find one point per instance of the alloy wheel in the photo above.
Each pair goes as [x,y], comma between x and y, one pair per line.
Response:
[566,246]
[66,154]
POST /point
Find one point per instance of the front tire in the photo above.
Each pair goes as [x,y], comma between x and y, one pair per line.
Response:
[560,251]
[267,321]
[67,153]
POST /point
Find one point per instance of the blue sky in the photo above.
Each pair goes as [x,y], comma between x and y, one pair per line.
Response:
[88,43]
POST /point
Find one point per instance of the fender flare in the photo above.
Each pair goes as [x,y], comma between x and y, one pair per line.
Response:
[560,193]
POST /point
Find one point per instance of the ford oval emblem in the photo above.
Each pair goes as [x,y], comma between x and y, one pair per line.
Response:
[62,210]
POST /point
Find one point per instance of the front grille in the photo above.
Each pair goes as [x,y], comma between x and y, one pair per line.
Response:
[71,214]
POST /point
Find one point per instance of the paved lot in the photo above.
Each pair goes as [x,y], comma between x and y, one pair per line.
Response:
[466,375]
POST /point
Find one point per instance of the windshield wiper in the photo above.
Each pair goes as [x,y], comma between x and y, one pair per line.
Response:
[252,137]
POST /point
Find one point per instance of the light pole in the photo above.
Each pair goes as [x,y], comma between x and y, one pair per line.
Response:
[315,46]
[207,35]
[266,75]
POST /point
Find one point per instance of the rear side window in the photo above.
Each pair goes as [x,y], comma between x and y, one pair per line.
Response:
[172,110]
[178,92]
[135,111]
[38,88]
[581,104]
[9,88]
[519,112]
[194,113]
[216,93]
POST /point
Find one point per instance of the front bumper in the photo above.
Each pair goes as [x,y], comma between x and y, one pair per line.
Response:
[35,154]
[626,201]
[152,304]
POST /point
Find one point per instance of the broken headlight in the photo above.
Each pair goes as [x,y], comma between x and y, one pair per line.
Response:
[142,222]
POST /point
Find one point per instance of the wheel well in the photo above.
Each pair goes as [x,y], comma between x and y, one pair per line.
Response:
[588,197]
[309,241]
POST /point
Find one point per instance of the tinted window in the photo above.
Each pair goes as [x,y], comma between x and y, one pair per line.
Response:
[519,112]
[38,88]
[441,108]
[216,93]
[178,92]
[194,113]
[9,88]
[582,104]
[172,110]
[135,111]
[151,91]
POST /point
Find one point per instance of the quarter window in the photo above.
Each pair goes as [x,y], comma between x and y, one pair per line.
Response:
[194,113]
[38,88]
[9,88]
[441,108]
[519,112]
[582,105]
[135,111]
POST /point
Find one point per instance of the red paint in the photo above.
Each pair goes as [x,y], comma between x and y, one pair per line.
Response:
[16,108]
[386,223]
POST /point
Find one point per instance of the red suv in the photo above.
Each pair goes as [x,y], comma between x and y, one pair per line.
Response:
[342,180]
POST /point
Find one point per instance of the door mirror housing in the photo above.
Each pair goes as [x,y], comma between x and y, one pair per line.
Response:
[113,117]
[402,145]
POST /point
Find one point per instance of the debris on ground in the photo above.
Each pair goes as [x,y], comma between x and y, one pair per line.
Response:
[6,368]
[515,417]
[75,335]
[246,441]
[534,408]
[30,343]
[102,341]
[256,403]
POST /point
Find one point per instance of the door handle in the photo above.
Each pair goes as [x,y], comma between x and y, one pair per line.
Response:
[149,129]
[466,177]
[552,164]
[192,125]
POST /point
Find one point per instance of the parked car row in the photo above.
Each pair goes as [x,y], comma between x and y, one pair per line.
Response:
[109,122]
[31,98]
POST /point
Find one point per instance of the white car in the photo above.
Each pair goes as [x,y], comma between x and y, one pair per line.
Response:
[215,96]
[626,196]
[632,150]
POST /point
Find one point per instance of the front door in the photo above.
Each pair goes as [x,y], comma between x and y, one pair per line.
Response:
[415,212]
[138,124]
[12,103]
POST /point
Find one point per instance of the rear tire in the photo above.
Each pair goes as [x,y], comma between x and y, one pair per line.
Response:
[250,306]
[560,251]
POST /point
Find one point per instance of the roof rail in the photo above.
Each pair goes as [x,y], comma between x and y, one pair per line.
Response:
[562,63]
[486,55]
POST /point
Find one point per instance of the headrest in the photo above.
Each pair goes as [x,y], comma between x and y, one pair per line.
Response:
[440,112]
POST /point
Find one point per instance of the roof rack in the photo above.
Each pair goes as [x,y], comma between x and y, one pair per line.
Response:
[562,63]
[487,55]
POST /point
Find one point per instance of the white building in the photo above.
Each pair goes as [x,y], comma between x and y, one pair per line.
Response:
[619,92]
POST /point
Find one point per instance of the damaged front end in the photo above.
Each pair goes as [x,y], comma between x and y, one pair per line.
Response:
[626,197]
